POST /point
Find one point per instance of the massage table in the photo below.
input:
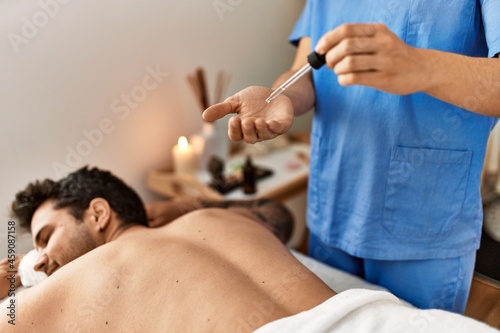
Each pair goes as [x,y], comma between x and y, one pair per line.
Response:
[360,306]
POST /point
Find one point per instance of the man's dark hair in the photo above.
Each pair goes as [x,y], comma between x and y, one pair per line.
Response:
[76,191]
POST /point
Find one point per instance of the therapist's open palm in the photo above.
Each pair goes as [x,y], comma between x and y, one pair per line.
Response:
[255,120]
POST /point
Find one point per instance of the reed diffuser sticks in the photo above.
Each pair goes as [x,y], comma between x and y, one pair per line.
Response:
[198,84]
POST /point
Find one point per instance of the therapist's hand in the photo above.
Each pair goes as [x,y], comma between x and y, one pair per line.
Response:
[255,120]
[371,55]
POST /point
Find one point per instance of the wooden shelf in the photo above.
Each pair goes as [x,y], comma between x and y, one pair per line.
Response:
[290,172]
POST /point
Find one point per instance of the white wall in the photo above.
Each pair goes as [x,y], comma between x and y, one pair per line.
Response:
[60,79]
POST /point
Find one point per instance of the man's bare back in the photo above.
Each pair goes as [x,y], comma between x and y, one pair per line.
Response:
[210,270]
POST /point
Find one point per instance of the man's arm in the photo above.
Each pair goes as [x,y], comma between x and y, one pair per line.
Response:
[5,281]
[270,213]
[371,55]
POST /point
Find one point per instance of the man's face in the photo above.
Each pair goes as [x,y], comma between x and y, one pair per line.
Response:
[59,237]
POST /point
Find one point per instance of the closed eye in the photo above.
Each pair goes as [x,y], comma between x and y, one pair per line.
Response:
[43,237]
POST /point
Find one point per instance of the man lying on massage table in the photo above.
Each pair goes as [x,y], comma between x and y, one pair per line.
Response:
[209,270]
[275,216]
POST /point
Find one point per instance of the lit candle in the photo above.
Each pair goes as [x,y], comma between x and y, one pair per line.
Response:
[184,156]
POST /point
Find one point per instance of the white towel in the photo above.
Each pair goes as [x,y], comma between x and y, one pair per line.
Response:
[30,277]
[362,310]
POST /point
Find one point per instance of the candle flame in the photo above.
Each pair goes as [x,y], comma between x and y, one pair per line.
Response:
[182,143]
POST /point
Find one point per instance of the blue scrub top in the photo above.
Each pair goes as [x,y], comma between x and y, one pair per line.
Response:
[397,177]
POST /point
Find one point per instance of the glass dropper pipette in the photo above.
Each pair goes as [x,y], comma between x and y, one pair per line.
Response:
[314,60]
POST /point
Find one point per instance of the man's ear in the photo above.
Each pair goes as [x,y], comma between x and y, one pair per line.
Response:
[99,213]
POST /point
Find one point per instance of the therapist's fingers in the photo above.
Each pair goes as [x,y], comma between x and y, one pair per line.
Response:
[234,129]
[279,126]
[263,130]
[256,129]
[351,46]
[249,131]
[219,110]
[334,37]
[357,63]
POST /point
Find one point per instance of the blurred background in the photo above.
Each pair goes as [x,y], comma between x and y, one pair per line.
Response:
[104,82]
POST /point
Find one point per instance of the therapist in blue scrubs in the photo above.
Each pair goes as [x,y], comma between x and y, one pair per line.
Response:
[402,114]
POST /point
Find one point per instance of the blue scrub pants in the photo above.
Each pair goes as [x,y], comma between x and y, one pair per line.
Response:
[427,284]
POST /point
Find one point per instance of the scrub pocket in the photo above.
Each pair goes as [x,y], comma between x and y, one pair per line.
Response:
[425,191]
